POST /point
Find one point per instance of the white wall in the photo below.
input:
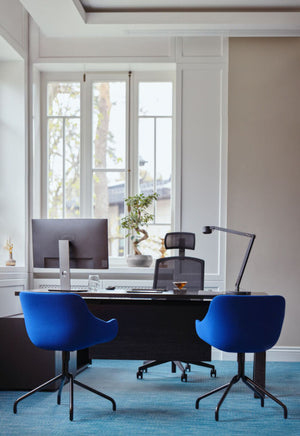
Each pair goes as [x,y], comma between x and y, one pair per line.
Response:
[13,150]
[264,168]
[12,160]
[202,140]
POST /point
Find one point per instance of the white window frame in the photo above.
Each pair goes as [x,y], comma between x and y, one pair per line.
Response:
[131,164]
[45,78]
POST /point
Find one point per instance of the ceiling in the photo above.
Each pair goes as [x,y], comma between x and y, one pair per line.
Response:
[94,18]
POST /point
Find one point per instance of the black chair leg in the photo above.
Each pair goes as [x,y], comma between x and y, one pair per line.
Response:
[256,391]
[33,391]
[71,411]
[268,394]
[210,393]
[60,389]
[234,380]
[82,385]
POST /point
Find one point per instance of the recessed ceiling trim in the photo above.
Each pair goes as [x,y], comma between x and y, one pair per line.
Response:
[94,6]
[78,5]
[241,33]
[200,20]
[73,22]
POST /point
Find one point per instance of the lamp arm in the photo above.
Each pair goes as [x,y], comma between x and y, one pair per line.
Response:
[246,257]
[235,232]
[208,229]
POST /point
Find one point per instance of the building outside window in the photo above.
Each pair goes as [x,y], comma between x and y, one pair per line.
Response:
[108,136]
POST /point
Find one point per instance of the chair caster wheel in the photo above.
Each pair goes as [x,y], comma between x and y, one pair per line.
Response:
[139,374]
[213,373]
[184,378]
[188,367]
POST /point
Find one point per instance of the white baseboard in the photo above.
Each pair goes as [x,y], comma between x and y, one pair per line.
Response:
[276,354]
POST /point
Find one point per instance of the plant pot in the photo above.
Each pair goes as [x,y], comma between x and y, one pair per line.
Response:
[139,260]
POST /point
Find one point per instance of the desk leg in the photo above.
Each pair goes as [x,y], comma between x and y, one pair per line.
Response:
[259,369]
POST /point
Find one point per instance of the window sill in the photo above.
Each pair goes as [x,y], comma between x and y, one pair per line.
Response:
[12,270]
[12,275]
[121,272]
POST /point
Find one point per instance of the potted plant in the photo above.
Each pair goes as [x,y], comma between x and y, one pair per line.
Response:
[134,222]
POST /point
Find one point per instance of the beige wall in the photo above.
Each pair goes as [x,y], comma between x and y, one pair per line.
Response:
[264,169]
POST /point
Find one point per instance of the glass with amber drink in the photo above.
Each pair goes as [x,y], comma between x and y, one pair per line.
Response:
[179,285]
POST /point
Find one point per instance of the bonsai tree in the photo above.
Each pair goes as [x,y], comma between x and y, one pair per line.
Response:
[137,218]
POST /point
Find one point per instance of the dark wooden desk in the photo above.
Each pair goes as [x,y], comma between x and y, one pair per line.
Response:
[152,328]
[157,327]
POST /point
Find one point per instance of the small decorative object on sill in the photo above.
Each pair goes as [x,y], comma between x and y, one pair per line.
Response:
[9,246]
[137,218]
[162,248]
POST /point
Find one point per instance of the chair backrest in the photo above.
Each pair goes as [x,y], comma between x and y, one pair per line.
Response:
[243,323]
[180,240]
[62,321]
[176,268]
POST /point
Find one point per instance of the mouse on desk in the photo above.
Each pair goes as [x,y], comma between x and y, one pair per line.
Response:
[110,288]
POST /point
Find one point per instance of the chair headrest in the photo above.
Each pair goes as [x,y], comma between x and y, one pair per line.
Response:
[181,240]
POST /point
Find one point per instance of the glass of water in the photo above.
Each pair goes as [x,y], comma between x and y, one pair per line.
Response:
[94,283]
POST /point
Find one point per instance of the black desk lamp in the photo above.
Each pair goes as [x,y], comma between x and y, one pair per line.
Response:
[210,229]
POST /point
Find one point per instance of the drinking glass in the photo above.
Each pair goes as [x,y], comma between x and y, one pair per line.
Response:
[94,283]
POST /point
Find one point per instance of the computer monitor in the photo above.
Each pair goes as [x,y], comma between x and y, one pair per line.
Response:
[70,243]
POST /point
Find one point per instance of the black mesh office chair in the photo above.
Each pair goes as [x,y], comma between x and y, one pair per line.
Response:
[178,268]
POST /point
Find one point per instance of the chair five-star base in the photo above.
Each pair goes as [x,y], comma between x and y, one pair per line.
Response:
[256,388]
[65,376]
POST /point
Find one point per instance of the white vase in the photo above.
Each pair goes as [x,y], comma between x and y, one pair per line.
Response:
[139,260]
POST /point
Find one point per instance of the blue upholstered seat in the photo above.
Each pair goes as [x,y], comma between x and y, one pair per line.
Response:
[62,321]
[242,324]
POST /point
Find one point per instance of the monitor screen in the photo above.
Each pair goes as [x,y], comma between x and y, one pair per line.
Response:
[88,242]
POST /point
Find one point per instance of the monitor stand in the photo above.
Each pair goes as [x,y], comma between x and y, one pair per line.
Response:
[64,265]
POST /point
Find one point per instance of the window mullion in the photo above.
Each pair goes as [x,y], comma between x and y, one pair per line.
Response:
[86,174]
[154,166]
[64,168]
[134,146]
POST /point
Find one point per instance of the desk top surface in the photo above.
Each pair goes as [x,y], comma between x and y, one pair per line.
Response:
[143,294]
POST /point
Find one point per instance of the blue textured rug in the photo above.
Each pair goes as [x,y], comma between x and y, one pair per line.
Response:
[159,404]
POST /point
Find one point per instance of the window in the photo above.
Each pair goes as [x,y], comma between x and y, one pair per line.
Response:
[107,137]
[63,140]
[155,116]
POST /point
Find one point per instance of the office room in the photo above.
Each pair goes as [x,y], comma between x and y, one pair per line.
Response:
[199,105]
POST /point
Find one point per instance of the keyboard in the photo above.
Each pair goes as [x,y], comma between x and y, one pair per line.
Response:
[138,289]
[145,291]
[67,290]
[127,289]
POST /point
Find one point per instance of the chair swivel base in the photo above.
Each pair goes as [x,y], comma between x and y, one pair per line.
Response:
[213,372]
[65,376]
[256,388]
[175,363]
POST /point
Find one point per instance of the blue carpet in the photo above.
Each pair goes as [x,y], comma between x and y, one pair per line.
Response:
[159,404]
